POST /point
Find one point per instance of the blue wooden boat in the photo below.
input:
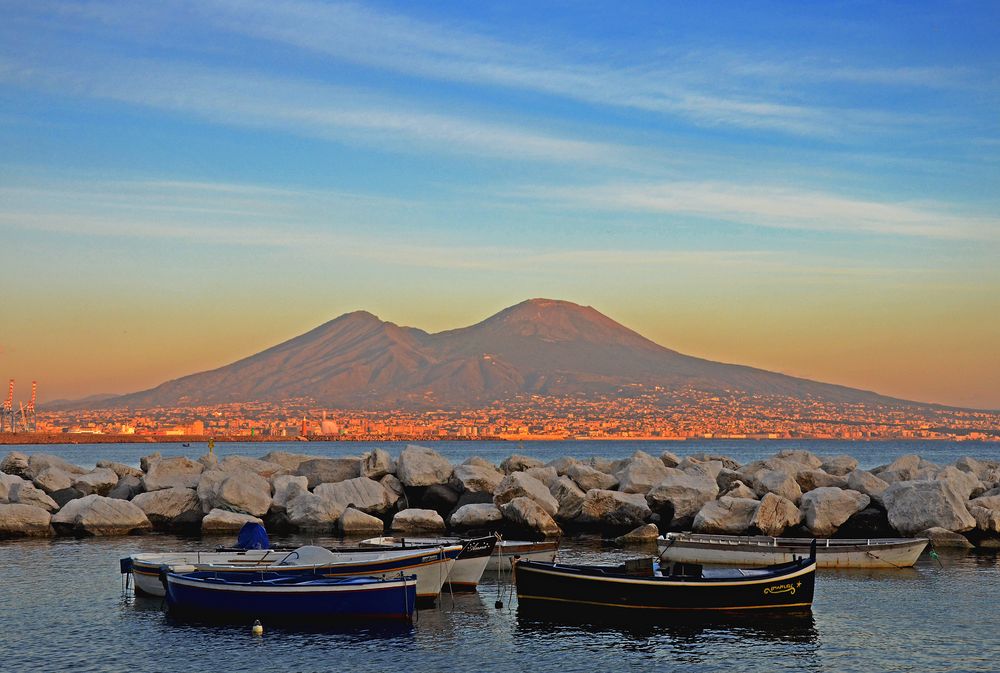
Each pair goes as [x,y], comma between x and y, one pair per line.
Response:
[278,596]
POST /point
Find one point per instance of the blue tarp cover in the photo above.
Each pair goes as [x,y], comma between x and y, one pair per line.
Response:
[253,536]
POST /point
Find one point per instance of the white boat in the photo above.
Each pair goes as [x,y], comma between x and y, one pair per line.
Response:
[469,565]
[431,565]
[742,550]
[523,549]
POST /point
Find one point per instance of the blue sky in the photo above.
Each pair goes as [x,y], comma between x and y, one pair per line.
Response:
[811,188]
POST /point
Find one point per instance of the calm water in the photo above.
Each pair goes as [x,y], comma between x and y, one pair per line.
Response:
[868,454]
[61,605]
[61,608]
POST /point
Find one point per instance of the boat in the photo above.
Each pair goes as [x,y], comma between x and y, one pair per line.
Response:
[507,550]
[643,584]
[469,565]
[750,551]
[430,565]
[279,596]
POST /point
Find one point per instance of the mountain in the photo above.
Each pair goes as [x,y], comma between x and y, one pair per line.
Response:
[539,346]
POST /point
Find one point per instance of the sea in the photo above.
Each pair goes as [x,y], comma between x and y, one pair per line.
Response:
[63,607]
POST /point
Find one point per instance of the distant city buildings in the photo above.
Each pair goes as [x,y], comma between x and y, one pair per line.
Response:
[634,412]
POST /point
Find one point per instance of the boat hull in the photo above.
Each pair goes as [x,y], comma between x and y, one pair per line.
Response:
[469,566]
[549,587]
[764,551]
[197,594]
[544,552]
[430,566]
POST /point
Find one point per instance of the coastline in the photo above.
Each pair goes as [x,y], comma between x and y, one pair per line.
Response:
[44,439]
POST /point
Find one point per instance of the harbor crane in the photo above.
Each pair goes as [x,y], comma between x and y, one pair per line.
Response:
[7,411]
[28,421]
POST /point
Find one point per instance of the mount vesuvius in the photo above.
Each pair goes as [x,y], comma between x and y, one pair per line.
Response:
[540,346]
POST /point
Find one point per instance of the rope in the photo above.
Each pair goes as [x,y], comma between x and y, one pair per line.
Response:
[879,558]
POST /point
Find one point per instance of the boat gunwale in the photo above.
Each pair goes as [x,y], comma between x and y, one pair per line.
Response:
[783,571]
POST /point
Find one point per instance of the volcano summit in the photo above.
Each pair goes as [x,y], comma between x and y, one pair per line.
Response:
[538,347]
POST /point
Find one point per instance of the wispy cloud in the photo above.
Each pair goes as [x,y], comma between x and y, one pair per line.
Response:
[115,210]
[778,207]
[703,88]
[300,107]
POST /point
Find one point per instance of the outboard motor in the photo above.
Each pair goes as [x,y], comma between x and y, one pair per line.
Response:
[252,536]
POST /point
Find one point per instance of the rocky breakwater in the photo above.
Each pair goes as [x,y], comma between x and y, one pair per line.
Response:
[792,493]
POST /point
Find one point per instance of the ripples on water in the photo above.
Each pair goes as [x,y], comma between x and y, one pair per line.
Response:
[61,608]
[868,454]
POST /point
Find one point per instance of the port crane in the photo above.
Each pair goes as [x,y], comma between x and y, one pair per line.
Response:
[7,411]
[9,421]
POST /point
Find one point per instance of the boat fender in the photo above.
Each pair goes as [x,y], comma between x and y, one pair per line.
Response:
[163,578]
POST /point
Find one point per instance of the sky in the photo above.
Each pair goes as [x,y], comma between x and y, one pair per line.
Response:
[811,188]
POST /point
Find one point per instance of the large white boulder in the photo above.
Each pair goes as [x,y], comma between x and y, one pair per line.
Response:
[562,464]
[641,535]
[806,458]
[587,477]
[641,473]
[904,468]
[263,468]
[825,509]
[167,508]
[361,493]
[421,466]
[569,497]
[18,520]
[613,509]
[242,492]
[121,469]
[777,482]
[171,472]
[356,522]
[868,483]
[37,462]
[740,490]
[519,463]
[669,459]
[100,481]
[16,463]
[311,512]
[750,470]
[727,516]
[418,521]
[527,514]
[914,506]
[8,481]
[329,470]
[284,487]
[684,492]
[775,514]
[376,464]
[476,515]
[965,483]
[475,478]
[546,475]
[98,515]
[26,493]
[810,479]
[223,521]
[839,466]
[517,484]
[289,461]
[52,479]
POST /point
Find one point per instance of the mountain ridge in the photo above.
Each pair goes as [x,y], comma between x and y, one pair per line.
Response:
[536,347]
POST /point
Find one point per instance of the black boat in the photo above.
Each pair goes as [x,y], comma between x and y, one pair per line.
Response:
[640,585]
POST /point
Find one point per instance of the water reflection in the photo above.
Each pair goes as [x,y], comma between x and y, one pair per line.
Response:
[788,627]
